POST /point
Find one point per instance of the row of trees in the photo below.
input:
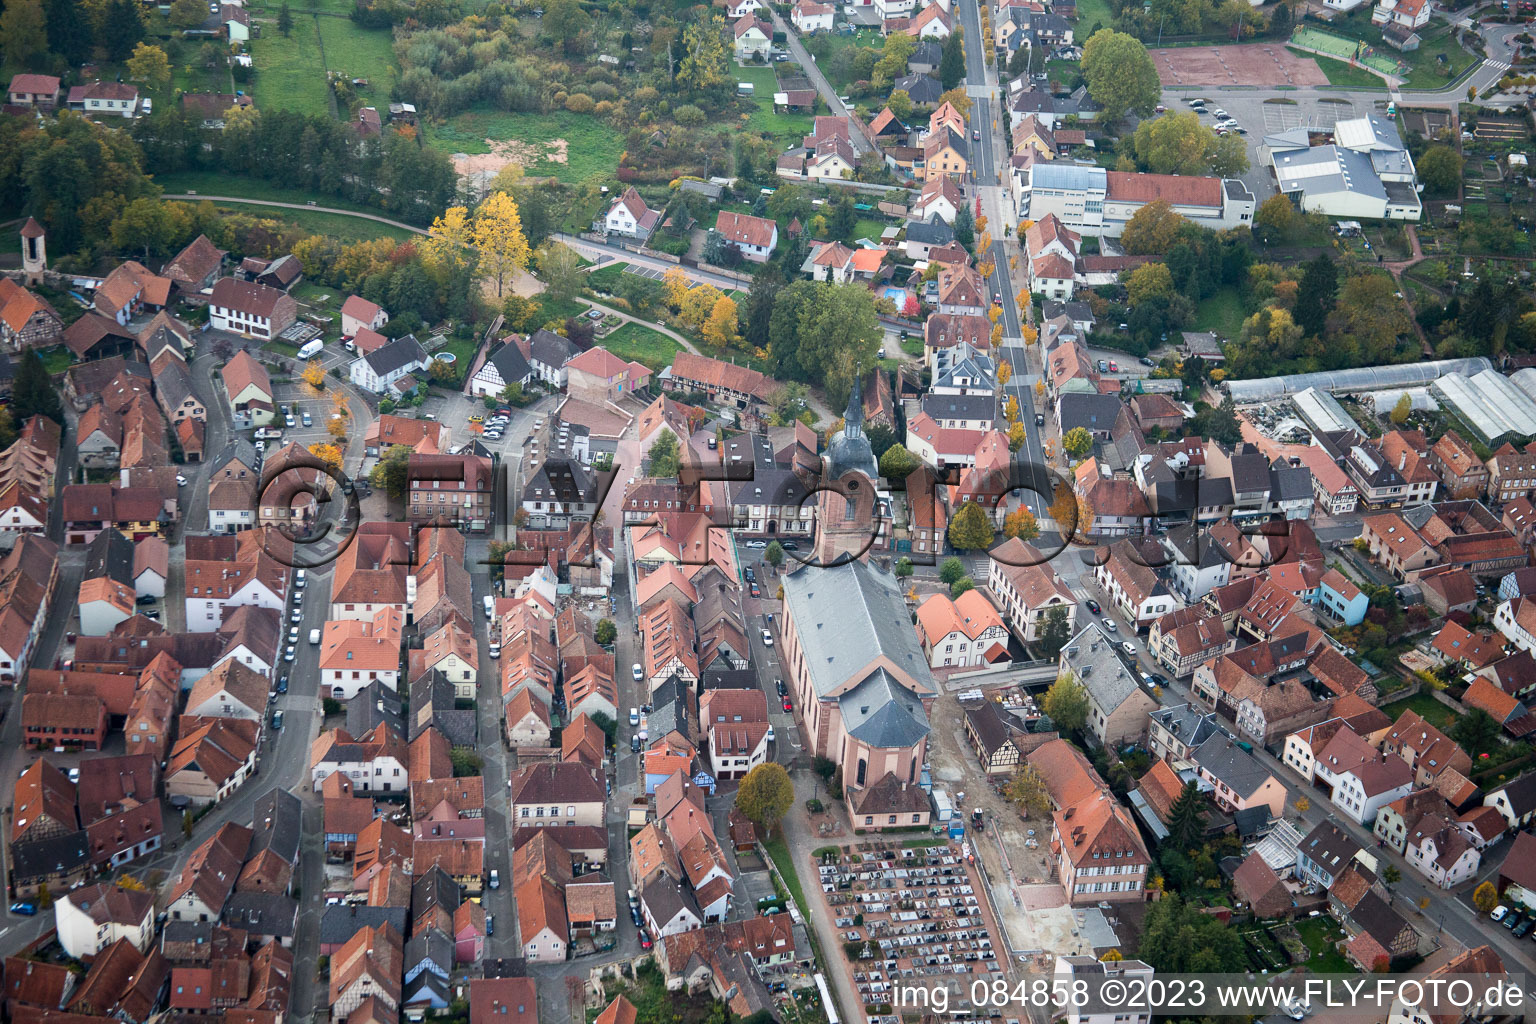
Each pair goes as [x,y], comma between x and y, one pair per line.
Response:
[392,171]
[55,35]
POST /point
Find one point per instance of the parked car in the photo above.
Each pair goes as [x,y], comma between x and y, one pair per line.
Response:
[782,689]
[490,925]
[495,882]
[634,716]
[277,719]
[288,654]
[767,639]
[282,685]
[1093,606]
[181,480]
[637,671]
[1110,625]
[297,616]
[26,908]
[787,705]
[1148,361]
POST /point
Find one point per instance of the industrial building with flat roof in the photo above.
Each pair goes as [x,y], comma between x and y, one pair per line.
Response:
[1094,201]
[1360,169]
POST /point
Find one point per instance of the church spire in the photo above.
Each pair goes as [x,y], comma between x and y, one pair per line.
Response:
[853,418]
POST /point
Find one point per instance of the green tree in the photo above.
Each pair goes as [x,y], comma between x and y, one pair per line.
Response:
[466,763]
[960,586]
[24,33]
[147,224]
[33,393]
[844,220]
[952,63]
[606,632]
[1179,144]
[1391,875]
[70,34]
[1315,294]
[1054,634]
[903,568]
[1440,169]
[900,102]
[1028,792]
[560,268]
[187,822]
[285,20]
[774,554]
[1149,281]
[1179,937]
[187,14]
[1485,897]
[1401,410]
[1066,702]
[122,29]
[565,21]
[664,456]
[1121,77]
[839,335]
[705,66]
[970,529]
[965,225]
[897,463]
[1186,818]
[950,570]
[1274,220]
[1077,442]
[1152,229]
[766,795]
[1476,731]
[389,473]
[150,65]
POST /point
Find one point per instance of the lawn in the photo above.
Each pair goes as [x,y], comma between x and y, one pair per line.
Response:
[1089,14]
[1222,313]
[358,52]
[222,184]
[778,849]
[290,73]
[57,359]
[570,147]
[1340,73]
[643,345]
[868,228]
[864,37]
[1431,710]
[785,127]
[1428,70]
[606,279]
[337,225]
[1321,934]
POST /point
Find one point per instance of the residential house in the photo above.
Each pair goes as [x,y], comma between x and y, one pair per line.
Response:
[250,310]
[961,632]
[383,370]
[1019,577]
[756,237]
[1118,706]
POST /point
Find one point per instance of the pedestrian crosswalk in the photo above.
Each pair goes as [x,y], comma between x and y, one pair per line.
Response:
[1497,65]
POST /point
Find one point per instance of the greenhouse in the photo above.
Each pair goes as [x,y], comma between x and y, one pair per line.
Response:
[1365,378]
[1489,403]
[1322,412]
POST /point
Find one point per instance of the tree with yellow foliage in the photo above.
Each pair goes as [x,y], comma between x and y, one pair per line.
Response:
[329,454]
[1024,226]
[720,328]
[675,284]
[698,304]
[981,226]
[1063,508]
[336,426]
[1016,436]
[985,267]
[983,240]
[997,335]
[995,313]
[498,235]
[448,242]
[1011,409]
[339,405]
[1039,389]
[1029,333]
[1004,372]
[314,375]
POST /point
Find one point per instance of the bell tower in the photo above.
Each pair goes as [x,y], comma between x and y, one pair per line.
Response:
[34,251]
[846,506]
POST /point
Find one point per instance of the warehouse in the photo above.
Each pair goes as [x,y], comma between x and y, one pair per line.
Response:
[1489,403]
[1360,169]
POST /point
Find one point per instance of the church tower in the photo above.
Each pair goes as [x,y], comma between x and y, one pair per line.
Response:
[846,507]
[34,251]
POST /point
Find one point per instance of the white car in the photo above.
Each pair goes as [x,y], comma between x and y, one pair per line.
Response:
[288,654]
[756,544]
[299,579]
[639,673]
[181,480]
[1128,648]
[767,639]
[634,716]
[297,616]
[261,446]
[770,734]
[1109,624]
[1499,912]
[1219,114]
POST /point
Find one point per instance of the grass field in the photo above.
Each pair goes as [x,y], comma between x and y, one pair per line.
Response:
[1340,73]
[337,225]
[643,345]
[210,184]
[1090,13]
[290,74]
[1431,710]
[1321,935]
[606,279]
[782,126]
[591,146]
[360,53]
[1428,72]
[1222,313]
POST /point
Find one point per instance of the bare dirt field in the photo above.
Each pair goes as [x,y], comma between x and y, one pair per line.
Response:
[1256,64]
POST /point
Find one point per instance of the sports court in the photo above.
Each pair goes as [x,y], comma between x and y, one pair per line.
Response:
[1347,50]
[1321,115]
[1254,64]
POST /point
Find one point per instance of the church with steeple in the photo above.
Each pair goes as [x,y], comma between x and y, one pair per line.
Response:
[851,519]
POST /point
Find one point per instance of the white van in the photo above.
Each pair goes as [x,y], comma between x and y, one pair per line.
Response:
[314,636]
[490,607]
[312,349]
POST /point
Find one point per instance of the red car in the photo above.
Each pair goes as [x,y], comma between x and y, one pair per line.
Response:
[645,941]
[755,591]
[787,705]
